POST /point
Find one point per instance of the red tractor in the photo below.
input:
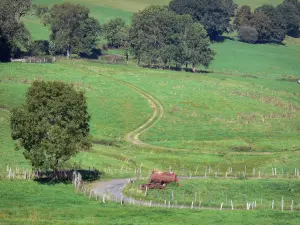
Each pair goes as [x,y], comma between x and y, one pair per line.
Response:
[159,180]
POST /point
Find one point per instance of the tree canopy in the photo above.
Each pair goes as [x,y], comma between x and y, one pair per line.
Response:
[72,29]
[53,124]
[214,15]
[114,31]
[13,33]
[270,23]
[159,37]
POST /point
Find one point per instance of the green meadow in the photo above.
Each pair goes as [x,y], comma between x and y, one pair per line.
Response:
[212,192]
[33,203]
[241,111]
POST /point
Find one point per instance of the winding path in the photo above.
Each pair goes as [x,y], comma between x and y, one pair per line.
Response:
[157,114]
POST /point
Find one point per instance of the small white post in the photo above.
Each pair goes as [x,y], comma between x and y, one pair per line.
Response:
[221,206]
[192,206]
[103,198]
[273,204]
[292,205]
[169,205]
[231,204]
[282,203]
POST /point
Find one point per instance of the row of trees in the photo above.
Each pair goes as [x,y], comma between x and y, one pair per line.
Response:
[173,35]
[268,23]
[72,29]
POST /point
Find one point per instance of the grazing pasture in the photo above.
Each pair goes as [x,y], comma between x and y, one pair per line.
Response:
[212,192]
[32,203]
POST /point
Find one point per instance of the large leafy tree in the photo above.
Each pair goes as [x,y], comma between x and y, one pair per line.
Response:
[72,29]
[13,34]
[289,14]
[113,29]
[150,31]
[214,15]
[159,37]
[53,124]
[243,16]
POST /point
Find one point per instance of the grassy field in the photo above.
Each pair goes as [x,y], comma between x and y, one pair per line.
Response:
[115,113]
[213,192]
[32,203]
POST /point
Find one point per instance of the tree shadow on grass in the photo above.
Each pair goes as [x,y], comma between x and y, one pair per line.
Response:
[65,177]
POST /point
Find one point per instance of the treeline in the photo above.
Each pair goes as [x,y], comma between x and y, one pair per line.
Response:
[268,23]
[177,35]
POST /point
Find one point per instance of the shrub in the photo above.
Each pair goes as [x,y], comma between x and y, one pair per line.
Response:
[39,48]
[248,34]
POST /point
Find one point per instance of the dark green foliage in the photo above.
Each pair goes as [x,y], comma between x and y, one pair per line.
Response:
[271,23]
[5,50]
[289,15]
[243,16]
[248,34]
[214,15]
[72,30]
[12,32]
[52,126]
[114,31]
[263,26]
[39,48]
[160,37]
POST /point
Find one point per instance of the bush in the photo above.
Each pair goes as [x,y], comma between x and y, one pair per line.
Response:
[248,34]
[39,48]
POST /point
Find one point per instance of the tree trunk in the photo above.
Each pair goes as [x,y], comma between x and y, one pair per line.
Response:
[69,51]
[194,69]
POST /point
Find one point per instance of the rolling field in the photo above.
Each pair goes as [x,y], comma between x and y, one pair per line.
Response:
[244,111]
[31,203]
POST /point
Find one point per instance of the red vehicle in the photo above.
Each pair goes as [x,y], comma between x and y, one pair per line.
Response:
[159,180]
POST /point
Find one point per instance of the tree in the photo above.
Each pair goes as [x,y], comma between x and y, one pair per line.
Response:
[39,48]
[197,46]
[289,14]
[278,30]
[112,29]
[72,29]
[150,31]
[160,37]
[243,16]
[214,15]
[53,124]
[263,26]
[13,34]
[248,34]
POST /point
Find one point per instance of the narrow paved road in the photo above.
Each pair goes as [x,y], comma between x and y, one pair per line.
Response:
[113,190]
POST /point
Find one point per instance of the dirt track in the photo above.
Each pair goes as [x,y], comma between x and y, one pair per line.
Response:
[157,114]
